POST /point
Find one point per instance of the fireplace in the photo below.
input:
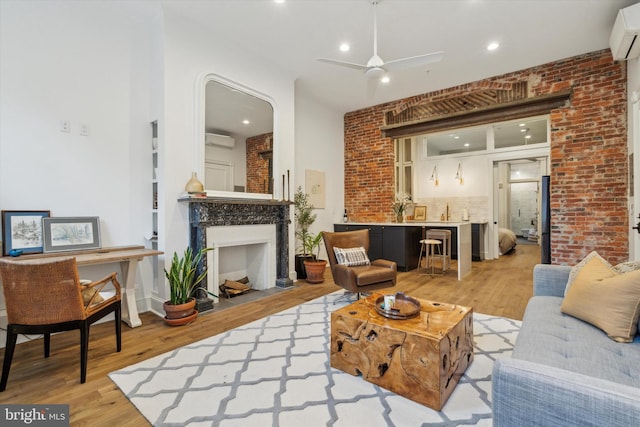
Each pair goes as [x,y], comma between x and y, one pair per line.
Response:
[215,213]
[242,251]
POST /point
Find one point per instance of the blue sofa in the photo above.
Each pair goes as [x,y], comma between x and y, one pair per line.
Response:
[563,371]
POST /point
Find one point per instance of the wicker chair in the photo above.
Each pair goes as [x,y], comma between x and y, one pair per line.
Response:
[43,296]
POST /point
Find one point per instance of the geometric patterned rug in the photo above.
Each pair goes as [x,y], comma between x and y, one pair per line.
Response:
[275,372]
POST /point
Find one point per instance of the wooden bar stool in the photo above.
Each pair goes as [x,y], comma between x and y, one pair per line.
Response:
[445,252]
[428,247]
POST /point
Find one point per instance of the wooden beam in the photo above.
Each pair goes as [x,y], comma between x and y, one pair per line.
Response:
[510,111]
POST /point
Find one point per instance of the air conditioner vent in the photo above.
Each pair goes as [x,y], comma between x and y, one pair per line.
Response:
[624,41]
[219,140]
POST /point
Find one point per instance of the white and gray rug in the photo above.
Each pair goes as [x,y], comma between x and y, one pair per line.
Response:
[275,372]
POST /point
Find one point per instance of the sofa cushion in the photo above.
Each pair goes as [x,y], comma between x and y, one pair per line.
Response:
[549,337]
[606,299]
[351,256]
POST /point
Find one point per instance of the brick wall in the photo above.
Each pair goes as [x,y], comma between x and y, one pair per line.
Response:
[589,169]
[257,164]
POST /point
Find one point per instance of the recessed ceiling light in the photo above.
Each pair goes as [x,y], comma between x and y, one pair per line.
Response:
[466,144]
[456,137]
[493,46]
[527,136]
[278,1]
[245,122]
[385,79]
[521,124]
[344,47]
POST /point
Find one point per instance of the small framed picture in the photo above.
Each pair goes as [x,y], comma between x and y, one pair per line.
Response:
[419,213]
[71,233]
[22,230]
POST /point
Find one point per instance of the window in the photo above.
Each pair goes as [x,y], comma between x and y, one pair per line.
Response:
[403,165]
[521,132]
[496,136]
[456,141]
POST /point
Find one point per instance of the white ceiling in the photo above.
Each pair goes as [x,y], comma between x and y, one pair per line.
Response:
[290,36]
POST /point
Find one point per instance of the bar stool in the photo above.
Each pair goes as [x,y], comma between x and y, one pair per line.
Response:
[428,247]
[445,237]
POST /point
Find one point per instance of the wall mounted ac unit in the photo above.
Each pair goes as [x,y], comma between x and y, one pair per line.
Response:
[219,140]
[624,41]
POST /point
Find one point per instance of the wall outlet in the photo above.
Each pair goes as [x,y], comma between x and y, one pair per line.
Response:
[65,126]
[84,130]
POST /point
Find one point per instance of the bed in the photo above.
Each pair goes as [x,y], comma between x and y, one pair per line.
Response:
[506,241]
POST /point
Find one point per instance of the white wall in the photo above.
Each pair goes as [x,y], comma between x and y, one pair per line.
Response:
[191,52]
[320,147]
[87,63]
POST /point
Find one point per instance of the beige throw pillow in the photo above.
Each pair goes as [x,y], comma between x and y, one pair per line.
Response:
[598,270]
[605,299]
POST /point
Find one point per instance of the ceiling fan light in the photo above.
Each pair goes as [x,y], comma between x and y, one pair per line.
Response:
[385,79]
[375,73]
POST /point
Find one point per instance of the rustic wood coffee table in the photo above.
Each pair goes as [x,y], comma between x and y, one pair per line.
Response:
[421,358]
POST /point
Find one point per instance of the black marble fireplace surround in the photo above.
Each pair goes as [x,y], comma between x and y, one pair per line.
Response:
[210,212]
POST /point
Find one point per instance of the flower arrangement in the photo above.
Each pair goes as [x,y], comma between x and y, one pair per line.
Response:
[401,202]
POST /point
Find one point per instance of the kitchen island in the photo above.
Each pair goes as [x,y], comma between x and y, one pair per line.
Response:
[400,242]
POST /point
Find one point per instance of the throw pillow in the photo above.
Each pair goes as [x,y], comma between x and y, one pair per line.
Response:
[626,267]
[609,302]
[351,257]
[599,269]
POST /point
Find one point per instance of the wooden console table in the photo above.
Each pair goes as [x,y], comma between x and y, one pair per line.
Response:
[127,256]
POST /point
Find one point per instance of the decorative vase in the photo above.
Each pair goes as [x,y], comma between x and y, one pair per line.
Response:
[315,270]
[399,219]
[194,185]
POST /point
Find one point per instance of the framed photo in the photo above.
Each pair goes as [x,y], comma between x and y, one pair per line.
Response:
[71,233]
[22,230]
[419,213]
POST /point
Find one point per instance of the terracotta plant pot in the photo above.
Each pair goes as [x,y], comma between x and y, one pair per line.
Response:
[315,270]
[175,312]
[300,259]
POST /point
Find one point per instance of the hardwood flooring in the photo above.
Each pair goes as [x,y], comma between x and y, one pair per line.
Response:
[497,287]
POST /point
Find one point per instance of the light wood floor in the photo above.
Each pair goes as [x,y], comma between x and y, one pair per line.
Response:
[497,287]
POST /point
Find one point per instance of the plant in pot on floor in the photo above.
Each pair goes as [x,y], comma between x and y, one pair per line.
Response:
[315,267]
[183,281]
[304,217]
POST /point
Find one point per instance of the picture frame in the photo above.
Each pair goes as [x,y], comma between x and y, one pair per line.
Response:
[71,233]
[22,230]
[419,213]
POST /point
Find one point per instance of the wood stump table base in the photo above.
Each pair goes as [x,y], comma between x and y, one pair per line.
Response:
[421,358]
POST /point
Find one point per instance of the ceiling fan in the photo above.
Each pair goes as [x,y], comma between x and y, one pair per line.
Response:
[376,67]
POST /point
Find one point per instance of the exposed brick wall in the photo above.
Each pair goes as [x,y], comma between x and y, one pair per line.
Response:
[589,169]
[257,165]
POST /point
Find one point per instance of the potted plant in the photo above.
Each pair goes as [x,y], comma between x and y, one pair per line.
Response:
[304,217]
[400,205]
[183,281]
[315,267]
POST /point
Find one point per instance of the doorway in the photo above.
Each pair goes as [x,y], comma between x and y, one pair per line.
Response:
[524,210]
[518,201]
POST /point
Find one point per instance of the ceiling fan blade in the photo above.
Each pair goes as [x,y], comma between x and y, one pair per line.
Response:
[343,64]
[414,61]
[372,87]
